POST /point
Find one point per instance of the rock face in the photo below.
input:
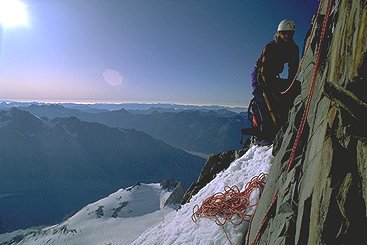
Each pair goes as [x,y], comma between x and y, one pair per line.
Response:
[322,198]
[176,189]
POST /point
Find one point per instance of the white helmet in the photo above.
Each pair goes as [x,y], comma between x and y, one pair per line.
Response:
[286,25]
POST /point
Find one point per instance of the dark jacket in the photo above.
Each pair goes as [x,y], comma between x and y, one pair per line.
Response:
[269,66]
[272,60]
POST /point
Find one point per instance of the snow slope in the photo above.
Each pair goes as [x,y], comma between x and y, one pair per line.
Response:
[178,227]
[137,216]
[117,219]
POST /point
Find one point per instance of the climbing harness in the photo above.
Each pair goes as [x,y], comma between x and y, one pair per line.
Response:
[232,205]
[303,120]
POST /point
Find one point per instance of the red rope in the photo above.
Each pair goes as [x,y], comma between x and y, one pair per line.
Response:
[230,205]
[265,220]
[312,87]
[303,120]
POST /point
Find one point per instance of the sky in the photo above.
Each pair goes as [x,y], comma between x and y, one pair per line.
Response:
[156,224]
[197,52]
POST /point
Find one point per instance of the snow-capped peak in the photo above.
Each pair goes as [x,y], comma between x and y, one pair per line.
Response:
[119,218]
[137,200]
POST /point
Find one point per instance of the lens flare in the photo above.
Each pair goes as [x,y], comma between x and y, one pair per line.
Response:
[113,77]
[13,13]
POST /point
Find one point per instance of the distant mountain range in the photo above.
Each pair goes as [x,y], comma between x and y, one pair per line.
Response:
[146,107]
[51,167]
[204,131]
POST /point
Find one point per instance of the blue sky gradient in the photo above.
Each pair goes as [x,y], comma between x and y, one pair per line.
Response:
[147,51]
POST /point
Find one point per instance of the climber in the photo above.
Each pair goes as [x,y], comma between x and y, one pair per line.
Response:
[270,105]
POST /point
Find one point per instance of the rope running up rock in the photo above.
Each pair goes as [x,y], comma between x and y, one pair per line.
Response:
[303,120]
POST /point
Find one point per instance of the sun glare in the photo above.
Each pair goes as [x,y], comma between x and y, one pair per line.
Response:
[13,13]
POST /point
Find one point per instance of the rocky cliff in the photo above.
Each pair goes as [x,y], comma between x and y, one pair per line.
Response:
[320,197]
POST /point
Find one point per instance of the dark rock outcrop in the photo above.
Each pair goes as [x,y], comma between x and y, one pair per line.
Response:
[177,190]
[322,198]
[214,165]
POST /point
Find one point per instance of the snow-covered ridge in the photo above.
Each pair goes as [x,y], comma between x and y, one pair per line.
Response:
[137,200]
[136,215]
[178,227]
[117,219]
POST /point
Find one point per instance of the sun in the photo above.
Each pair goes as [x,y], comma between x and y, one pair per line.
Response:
[13,13]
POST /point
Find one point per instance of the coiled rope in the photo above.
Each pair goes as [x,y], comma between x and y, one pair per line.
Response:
[232,205]
[303,120]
